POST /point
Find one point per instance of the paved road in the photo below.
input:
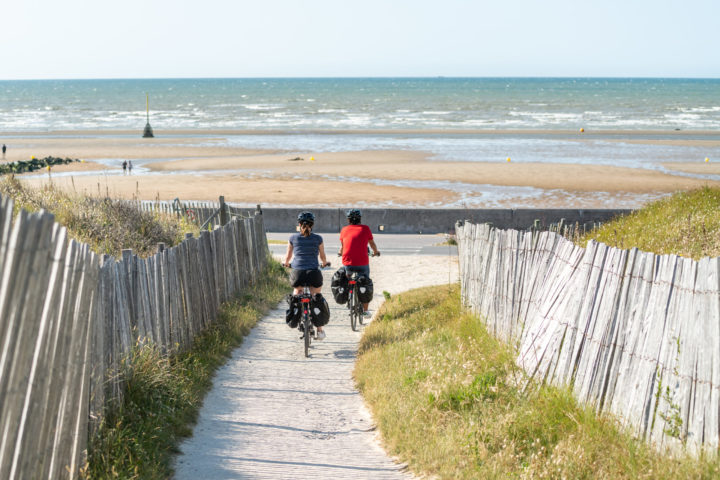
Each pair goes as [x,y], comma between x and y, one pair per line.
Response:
[388,243]
[273,414]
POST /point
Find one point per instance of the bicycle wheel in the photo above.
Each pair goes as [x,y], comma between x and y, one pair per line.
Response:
[353,311]
[306,336]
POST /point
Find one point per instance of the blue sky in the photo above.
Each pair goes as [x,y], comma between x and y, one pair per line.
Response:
[308,38]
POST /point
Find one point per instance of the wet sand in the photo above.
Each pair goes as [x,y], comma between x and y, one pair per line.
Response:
[702,168]
[193,168]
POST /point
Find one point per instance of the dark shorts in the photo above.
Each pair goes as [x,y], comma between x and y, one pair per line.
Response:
[362,269]
[302,278]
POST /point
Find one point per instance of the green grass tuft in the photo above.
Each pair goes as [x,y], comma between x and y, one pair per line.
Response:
[446,399]
[107,225]
[685,224]
[163,395]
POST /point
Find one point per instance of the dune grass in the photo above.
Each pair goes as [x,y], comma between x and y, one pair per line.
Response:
[445,396]
[163,395]
[685,224]
[107,225]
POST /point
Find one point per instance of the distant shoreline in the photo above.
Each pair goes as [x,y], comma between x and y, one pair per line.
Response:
[159,132]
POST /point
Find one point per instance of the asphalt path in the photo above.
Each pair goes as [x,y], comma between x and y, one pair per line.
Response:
[387,243]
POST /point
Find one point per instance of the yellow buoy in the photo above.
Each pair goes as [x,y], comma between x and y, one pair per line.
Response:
[582,130]
[508,159]
[707,159]
[312,159]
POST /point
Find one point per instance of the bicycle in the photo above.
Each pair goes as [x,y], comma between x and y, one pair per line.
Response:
[308,328]
[354,305]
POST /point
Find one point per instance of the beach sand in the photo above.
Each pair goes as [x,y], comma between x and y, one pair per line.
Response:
[202,169]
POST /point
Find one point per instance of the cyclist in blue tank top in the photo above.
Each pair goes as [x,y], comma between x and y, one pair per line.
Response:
[303,249]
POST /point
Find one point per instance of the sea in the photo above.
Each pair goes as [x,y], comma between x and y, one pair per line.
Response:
[333,104]
[456,119]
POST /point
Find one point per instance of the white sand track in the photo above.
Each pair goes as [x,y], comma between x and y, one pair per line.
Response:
[272,413]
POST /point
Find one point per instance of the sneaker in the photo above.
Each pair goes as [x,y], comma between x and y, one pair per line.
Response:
[320,335]
[367,314]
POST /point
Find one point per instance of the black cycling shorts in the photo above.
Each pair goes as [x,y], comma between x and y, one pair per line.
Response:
[302,278]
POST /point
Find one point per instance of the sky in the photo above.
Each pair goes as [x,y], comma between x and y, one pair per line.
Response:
[51,39]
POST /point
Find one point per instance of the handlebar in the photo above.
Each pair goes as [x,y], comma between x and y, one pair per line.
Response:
[327,265]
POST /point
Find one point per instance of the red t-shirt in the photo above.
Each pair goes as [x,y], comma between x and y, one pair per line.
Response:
[355,240]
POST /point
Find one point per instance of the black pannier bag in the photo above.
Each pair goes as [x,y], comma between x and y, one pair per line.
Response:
[293,312]
[365,289]
[339,286]
[319,310]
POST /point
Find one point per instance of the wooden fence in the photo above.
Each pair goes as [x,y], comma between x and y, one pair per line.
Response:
[632,333]
[68,319]
[196,211]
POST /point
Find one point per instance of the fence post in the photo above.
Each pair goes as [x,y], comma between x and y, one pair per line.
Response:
[223,211]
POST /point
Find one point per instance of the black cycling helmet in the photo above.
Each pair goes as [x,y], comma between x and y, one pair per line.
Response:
[306,217]
[353,215]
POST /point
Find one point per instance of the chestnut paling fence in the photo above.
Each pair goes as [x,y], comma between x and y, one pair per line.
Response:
[204,213]
[68,319]
[632,333]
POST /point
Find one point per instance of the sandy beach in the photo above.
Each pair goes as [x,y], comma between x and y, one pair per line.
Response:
[201,168]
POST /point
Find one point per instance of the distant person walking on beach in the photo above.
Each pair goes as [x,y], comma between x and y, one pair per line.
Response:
[124,167]
[4,150]
[129,167]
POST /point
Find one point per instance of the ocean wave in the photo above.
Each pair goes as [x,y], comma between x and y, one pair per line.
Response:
[701,109]
[652,104]
[262,106]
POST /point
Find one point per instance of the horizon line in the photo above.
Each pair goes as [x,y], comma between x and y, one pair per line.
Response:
[378,77]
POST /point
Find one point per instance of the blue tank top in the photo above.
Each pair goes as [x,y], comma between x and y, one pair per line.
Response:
[305,251]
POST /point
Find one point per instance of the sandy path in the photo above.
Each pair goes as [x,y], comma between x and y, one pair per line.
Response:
[274,414]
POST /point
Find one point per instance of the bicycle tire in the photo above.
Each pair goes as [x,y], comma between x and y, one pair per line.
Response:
[353,311]
[306,336]
[353,321]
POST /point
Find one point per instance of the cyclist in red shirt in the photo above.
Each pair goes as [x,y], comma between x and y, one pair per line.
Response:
[354,241]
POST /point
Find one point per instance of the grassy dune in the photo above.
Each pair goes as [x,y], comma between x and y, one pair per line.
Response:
[444,394]
[107,225]
[686,224]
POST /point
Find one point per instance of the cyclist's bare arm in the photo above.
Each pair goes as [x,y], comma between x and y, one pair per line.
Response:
[288,255]
[321,252]
[341,249]
[375,250]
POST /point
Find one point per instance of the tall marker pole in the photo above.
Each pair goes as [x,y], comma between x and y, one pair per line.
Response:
[148,132]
